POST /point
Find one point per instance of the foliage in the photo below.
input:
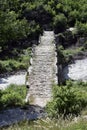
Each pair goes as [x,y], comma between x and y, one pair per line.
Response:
[73,17]
[13,96]
[25,20]
[66,56]
[14,26]
[81,28]
[54,12]
[68,99]
[72,52]
[16,62]
[10,65]
[11,27]
[60,23]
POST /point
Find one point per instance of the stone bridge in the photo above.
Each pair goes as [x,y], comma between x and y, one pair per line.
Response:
[43,70]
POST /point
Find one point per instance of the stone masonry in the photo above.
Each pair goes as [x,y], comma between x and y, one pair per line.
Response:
[44,71]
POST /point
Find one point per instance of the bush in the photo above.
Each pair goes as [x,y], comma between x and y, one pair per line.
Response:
[73,16]
[14,95]
[81,28]
[13,28]
[16,62]
[11,65]
[69,99]
[60,23]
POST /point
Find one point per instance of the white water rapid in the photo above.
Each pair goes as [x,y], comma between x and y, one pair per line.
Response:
[77,70]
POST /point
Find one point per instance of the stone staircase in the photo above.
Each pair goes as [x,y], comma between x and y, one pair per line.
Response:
[44,71]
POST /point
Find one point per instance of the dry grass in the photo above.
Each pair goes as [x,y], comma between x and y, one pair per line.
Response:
[48,124]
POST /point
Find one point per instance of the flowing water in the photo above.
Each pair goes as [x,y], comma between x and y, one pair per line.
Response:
[77,70]
[18,79]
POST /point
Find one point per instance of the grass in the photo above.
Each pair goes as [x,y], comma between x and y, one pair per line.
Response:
[80,125]
[48,124]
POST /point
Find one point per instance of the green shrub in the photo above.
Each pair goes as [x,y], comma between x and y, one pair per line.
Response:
[20,62]
[11,99]
[81,28]
[66,56]
[11,65]
[60,23]
[14,95]
[73,16]
[69,99]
